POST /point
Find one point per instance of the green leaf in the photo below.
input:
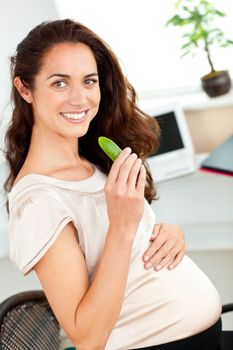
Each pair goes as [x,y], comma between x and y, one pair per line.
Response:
[219,13]
[185,8]
[196,18]
[177,21]
[185,54]
[226,43]
[187,45]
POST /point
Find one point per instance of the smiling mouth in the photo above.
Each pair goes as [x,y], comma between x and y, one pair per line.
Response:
[74,115]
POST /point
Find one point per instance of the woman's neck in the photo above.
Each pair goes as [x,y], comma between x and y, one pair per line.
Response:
[53,152]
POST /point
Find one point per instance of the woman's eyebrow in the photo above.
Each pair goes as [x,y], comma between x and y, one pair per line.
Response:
[61,75]
[91,75]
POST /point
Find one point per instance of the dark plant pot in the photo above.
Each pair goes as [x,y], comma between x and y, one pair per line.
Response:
[216,83]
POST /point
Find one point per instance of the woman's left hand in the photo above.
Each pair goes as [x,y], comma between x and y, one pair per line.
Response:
[167,247]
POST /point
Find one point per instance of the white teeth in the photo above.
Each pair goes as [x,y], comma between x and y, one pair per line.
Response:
[74,115]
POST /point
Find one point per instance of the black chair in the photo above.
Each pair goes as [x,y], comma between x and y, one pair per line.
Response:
[227,336]
[27,323]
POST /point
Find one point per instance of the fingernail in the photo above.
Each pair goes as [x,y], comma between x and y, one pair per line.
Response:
[146,258]
[128,150]
[171,267]
[148,265]
[158,267]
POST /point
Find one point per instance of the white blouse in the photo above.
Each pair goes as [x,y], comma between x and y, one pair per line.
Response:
[158,307]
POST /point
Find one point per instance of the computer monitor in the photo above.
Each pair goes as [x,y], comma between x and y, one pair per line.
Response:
[175,156]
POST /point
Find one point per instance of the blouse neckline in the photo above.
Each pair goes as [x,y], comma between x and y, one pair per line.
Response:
[93,183]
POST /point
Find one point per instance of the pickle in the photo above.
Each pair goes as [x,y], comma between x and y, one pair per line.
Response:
[109,147]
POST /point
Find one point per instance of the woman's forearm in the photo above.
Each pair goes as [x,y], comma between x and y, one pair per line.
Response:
[98,312]
[99,309]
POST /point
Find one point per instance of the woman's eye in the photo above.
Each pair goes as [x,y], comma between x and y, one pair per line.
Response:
[90,82]
[59,84]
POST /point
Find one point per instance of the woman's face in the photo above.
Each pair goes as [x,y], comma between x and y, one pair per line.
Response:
[66,93]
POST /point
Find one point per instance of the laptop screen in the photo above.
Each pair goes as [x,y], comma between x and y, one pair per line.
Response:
[170,139]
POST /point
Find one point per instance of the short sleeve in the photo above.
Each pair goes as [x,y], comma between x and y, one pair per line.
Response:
[34,225]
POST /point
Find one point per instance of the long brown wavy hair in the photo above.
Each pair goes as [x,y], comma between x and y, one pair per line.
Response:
[118,116]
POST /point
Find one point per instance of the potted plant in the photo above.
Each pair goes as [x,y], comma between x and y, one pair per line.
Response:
[197,18]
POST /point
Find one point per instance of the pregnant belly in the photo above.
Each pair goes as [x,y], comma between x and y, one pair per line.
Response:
[164,306]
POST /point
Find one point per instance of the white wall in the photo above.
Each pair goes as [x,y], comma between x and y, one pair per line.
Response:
[16,19]
[210,127]
[3,214]
[150,52]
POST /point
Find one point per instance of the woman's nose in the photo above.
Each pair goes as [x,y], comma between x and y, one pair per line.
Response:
[77,96]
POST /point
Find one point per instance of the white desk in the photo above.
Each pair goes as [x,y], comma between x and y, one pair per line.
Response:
[202,204]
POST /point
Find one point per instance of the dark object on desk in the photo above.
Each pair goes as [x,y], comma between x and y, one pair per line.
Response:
[221,159]
[216,83]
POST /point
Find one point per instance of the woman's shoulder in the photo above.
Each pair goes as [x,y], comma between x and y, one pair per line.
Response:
[22,173]
[29,183]
[30,192]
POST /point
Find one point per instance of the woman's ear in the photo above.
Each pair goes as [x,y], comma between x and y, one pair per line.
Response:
[24,92]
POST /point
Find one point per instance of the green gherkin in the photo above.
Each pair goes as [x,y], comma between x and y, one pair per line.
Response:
[109,147]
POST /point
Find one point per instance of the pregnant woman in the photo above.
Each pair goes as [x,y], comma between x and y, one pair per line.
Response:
[83,222]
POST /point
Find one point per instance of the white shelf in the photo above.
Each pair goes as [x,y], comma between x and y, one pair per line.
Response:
[188,99]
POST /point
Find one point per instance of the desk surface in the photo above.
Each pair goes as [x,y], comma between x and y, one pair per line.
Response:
[202,203]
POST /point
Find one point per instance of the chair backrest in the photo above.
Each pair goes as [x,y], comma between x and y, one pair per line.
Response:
[27,322]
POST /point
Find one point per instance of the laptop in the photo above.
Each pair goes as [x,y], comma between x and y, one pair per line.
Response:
[221,159]
[175,156]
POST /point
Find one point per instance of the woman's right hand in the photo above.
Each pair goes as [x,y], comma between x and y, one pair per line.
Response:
[124,191]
